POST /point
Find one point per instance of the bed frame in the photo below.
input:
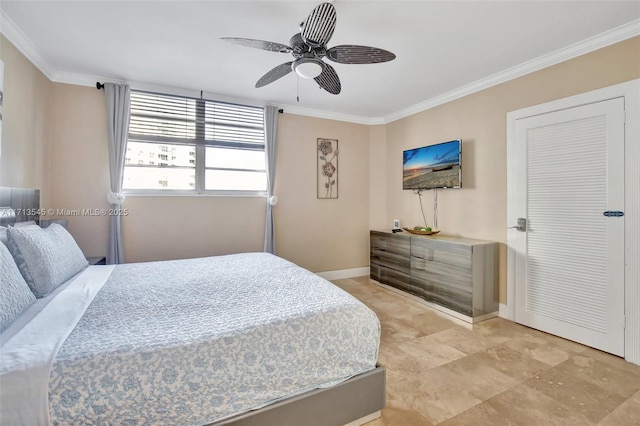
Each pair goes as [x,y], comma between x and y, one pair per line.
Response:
[355,401]
[352,402]
[19,205]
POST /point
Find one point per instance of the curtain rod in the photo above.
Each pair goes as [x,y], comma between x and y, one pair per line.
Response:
[101,86]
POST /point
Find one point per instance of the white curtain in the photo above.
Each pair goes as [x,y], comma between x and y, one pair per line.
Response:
[118,107]
[270,149]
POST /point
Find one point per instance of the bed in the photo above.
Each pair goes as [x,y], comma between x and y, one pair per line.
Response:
[247,339]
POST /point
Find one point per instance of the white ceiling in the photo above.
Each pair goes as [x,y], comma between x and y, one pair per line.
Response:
[444,48]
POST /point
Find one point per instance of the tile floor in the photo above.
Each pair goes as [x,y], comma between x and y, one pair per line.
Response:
[443,371]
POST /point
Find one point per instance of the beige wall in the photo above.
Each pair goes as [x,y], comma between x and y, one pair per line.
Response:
[79,162]
[478,210]
[322,235]
[25,148]
[378,178]
[163,228]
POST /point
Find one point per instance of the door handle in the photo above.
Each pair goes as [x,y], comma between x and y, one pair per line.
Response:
[521,226]
[615,213]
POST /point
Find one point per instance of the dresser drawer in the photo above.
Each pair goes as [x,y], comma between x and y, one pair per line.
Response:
[392,243]
[392,277]
[442,274]
[445,253]
[390,260]
[390,251]
[452,287]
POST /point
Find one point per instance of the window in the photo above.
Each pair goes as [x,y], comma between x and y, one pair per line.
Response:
[215,148]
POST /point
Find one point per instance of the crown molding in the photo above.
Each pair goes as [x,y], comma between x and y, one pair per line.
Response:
[582,47]
[329,115]
[90,81]
[82,79]
[10,30]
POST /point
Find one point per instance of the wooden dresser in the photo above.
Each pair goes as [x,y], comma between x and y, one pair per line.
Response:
[456,275]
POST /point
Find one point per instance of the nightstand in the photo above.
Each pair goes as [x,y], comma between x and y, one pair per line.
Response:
[98,260]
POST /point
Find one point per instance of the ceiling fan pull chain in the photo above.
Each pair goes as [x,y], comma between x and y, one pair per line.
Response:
[298,88]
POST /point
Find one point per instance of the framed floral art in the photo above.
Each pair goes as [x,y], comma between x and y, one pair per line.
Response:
[327,168]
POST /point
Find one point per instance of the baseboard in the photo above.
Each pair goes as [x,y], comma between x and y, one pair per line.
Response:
[503,311]
[344,273]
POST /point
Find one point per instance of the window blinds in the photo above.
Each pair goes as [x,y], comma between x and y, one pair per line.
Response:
[166,118]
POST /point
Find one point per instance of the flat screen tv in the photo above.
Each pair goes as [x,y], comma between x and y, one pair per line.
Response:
[433,166]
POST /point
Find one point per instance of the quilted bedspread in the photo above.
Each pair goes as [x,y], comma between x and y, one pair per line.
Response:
[194,341]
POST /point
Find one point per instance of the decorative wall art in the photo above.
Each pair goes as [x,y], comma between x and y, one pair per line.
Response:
[327,168]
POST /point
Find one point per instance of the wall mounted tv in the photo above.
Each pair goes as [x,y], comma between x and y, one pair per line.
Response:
[433,166]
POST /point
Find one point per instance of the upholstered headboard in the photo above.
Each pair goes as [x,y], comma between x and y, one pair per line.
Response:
[19,205]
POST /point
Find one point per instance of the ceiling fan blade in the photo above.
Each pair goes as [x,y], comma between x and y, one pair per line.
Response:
[276,73]
[352,54]
[258,44]
[318,28]
[329,80]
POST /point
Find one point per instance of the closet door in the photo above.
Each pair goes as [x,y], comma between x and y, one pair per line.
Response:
[569,264]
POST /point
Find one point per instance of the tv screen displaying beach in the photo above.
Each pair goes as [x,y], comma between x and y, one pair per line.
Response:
[435,166]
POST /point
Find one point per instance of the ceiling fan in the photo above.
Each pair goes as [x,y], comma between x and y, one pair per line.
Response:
[309,46]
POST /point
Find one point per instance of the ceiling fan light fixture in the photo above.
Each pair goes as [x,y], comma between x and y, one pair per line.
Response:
[308,68]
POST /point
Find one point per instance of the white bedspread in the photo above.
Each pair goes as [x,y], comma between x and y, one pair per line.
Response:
[26,355]
[194,341]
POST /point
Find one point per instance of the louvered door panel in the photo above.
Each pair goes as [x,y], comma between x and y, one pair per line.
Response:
[566,243]
[572,275]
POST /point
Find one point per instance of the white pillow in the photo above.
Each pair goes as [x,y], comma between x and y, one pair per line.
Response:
[46,257]
[15,295]
[3,229]
[25,223]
